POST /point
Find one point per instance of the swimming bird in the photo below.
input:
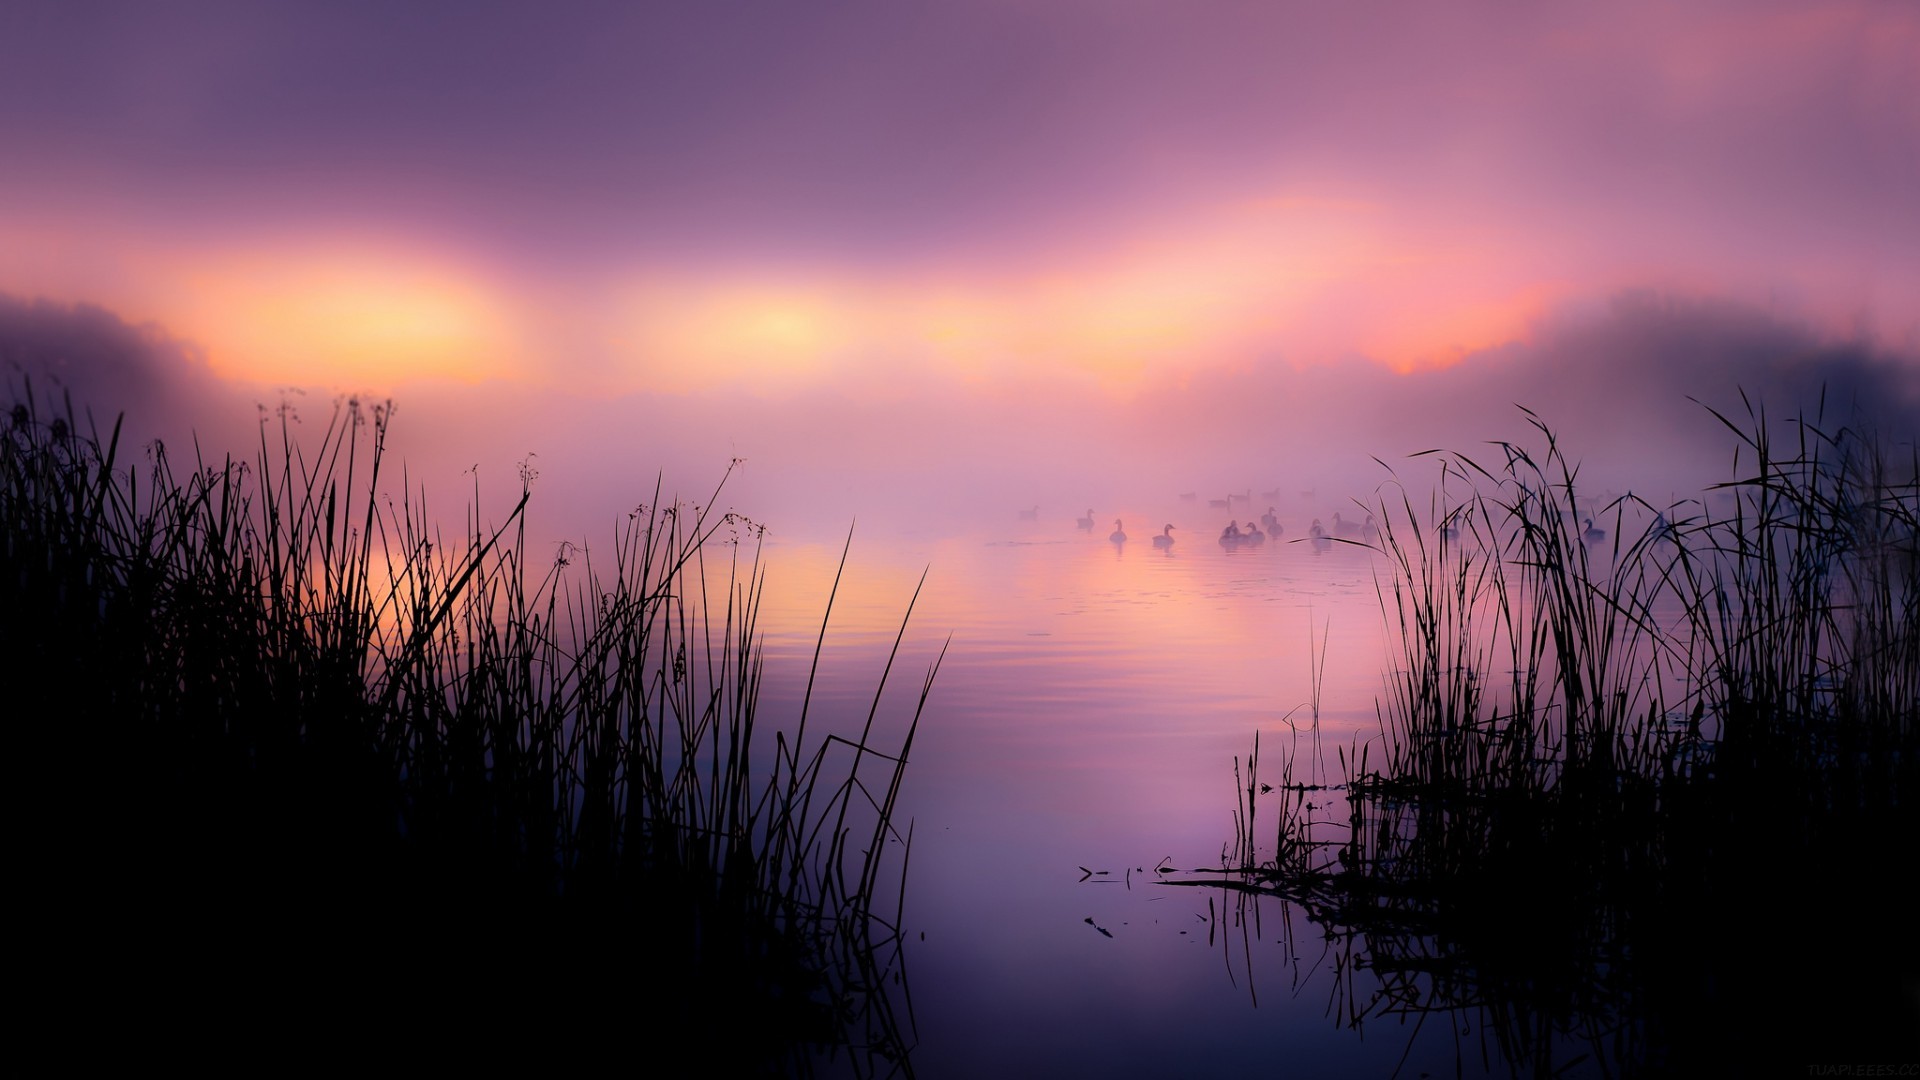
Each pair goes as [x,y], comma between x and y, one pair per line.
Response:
[1119,534]
[1230,534]
[1086,522]
[1030,515]
[1220,504]
[1317,531]
[1253,535]
[1593,535]
[1345,530]
[1165,539]
[1272,523]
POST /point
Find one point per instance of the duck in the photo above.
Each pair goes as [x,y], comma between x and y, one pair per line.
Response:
[1119,533]
[1165,539]
[1086,522]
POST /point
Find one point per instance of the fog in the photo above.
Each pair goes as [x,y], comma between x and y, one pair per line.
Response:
[1626,389]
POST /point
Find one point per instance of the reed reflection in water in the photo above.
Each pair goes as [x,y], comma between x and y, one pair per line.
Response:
[1555,858]
[1087,709]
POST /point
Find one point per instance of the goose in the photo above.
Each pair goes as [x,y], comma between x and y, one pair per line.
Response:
[1317,531]
[1593,535]
[1230,534]
[1253,535]
[1272,523]
[1119,534]
[1030,515]
[1189,496]
[1165,539]
[1345,530]
[1086,522]
[1220,504]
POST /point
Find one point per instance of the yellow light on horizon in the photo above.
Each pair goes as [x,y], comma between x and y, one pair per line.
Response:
[675,337]
[343,320]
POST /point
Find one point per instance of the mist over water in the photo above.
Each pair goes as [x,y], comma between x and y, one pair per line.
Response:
[1095,695]
[961,293]
[1625,392]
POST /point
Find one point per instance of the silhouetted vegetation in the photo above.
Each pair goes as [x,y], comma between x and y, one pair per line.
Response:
[300,768]
[1646,792]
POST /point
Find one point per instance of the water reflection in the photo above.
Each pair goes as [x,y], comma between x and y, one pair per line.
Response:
[1093,698]
[1072,762]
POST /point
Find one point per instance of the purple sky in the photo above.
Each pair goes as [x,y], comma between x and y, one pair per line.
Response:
[1000,217]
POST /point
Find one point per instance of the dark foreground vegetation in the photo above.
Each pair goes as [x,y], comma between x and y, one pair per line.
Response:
[297,772]
[1647,797]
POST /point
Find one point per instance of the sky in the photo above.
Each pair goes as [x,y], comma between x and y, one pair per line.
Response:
[1032,253]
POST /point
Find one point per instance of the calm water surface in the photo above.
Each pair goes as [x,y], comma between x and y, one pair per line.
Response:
[1088,715]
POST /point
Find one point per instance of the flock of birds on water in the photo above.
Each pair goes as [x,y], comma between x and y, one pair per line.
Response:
[1253,534]
[1235,535]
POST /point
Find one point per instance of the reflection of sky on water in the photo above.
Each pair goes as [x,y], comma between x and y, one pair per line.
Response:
[1087,715]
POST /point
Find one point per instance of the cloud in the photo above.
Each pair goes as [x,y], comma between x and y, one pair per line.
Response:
[107,366]
[1614,382]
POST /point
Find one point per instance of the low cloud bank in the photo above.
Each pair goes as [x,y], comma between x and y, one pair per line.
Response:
[1624,390]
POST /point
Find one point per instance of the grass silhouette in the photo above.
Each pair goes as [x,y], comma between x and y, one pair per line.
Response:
[365,779]
[1648,778]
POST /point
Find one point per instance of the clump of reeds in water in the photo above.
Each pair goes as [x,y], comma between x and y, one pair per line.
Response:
[1619,757]
[357,773]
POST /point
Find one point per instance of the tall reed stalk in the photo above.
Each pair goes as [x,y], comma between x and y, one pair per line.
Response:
[289,719]
[1611,727]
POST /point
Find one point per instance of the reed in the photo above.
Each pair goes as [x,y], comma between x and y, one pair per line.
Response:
[1602,741]
[521,799]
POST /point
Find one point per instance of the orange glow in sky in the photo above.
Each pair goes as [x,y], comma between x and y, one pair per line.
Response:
[1285,185]
[349,319]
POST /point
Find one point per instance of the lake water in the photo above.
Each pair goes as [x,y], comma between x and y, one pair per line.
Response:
[1087,718]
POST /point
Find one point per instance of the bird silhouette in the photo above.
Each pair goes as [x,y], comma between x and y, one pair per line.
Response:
[1165,539]
[1119,533]
[1086,522]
